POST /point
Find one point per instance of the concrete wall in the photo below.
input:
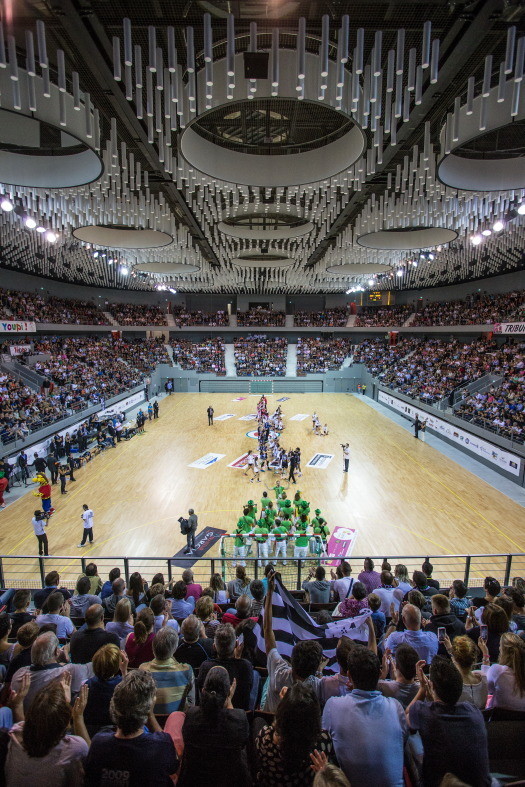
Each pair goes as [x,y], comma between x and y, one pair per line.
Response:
[277,302]
[496,284]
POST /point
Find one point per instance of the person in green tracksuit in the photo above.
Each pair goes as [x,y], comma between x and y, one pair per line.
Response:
[297,501]
[245,525]
[265,501]
[278,489]
[269,512]
[320,528]
[260,534]
[286,508]
[304,508]
[252,508]
[279,534]
[301,539]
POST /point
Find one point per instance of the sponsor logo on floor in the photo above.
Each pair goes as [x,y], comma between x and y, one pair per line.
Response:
[239,399]
[240,462]
[254,434]
[320,461]
[284,399]
[340,544]
[203,543]
[225,417]
[299,417]
[250,417]
[206,461]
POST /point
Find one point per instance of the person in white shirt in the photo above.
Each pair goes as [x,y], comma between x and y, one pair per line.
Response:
[87,517]
[346,457]
[39,523]
[342,581]
[386,593]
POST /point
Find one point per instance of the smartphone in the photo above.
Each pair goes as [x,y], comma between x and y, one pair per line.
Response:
[442,632]
[484,631]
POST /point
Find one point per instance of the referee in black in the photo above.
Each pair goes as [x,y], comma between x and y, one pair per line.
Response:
[346,456]
[210,412]
[293,462]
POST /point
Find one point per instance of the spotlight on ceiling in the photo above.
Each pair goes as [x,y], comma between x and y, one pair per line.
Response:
[51,236]
[95,254]
[399,272]
[498,226]
[371,282]
[486,233]
[123,270]
[476,240]
[521,209]
[6,204]
[40,229]
[172,290]
[30,223]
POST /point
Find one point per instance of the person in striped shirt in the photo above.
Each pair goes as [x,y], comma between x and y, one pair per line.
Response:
[175,682]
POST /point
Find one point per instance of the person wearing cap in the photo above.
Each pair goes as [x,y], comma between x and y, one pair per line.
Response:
[252,508]
[260,534]
[320,528]
[301,538]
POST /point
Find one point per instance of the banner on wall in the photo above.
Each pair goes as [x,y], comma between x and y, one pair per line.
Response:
[492,453]
[509,327]
[122,406]
[340,545]
[17,326]
[19,349]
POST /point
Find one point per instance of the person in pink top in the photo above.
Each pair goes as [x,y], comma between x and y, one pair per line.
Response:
[371,579]
[192,589]
[352,606]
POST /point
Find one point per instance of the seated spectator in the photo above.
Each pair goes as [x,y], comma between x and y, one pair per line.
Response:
[464,655]
[352,606]
[45,667]
[110,666]
[21,602]
[25,637]
[402,684]
[161,608]
[174,680]
[139,644]
[83,598]
[220,596]
[305,661]
[497,623]
[443,618]
[95,583]
[118,588]
[492,589]
[41,750]
[52,581]
[427,568]
[421,583]
[86,641]
[107,587]
[453,733]
[284,748]
[122,623]
[402,581]
[215,737]
[459,602]
[243,608]
[518,612]
[239,586]
[385,591]
[206,614]
[132,750]
[257,592]
[506,679]
[337,685]
[318,589]
[195,647]
[342,581]
[378,617]
[56,608]
[238,669]
[136,589]
[192,589]
[180,606]
[5,646]
[371,579]
[361,718]
[424,642]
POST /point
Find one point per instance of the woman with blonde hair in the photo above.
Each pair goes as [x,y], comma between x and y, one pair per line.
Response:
[139,644]
[464,655]
[109,665]
[506,679]
[204,611]
[122,623]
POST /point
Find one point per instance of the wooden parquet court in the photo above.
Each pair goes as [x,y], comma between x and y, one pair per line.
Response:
[402,496]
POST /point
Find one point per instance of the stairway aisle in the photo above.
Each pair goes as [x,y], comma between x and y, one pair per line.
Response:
[109,317]
[170,320]
[351,320]
[288,322]
[410,320]
[291,360]
[229,361]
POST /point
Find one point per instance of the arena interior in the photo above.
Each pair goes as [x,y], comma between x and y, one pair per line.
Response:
[262,393]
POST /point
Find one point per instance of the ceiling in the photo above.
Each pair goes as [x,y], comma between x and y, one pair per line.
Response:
[147,182]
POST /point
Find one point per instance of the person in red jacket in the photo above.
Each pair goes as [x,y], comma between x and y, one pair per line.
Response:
[3,486]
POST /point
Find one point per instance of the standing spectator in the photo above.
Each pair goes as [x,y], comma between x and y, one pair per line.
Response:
[342,581]
[192,529]
[453,733]
[215,737]
[284,748]
[175,683]
[424,642]
[131,749]
[87,518]
[86,641]
[358,720]
[385,591]
[238,669]
[371,579]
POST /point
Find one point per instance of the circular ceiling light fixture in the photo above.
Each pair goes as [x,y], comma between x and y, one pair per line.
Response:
[117,236]
[269,226]
[407,238]
[358,269]
[166,268]
[263,260]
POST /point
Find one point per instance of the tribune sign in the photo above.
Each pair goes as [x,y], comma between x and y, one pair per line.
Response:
[509,327]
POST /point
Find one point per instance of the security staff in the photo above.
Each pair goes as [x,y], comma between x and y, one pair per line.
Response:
[22,462]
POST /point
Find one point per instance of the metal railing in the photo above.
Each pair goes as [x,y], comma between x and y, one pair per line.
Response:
[29,571]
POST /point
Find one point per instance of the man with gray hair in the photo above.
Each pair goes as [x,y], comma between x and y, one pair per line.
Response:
[46,656]
[424,642]
[131,751]
[229,656]
[195,646]
[175,682]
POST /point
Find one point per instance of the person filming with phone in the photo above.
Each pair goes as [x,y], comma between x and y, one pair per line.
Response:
[442,622]
[494,623]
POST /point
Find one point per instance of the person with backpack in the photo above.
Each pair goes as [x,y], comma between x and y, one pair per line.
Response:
[191,529]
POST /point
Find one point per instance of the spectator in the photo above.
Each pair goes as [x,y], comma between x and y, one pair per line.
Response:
[419,578]
[95,583]
[83,598]
[136,589]
[122,623]
[243,609]
[370,578]
[459,603]
[192,589]
[358,720]
[118,588]
[464,655]
[21,602]
[45,667]
[329,775]
[240,585]
[518,611]
[25,637]
[492,589]
[107,587]
[86,641]
[350,607]
[284,748]
[402,686]
[131,749]
[257,592]
[161,608]
[110,666]
[56,608]
[41,751]
[497,623]
[378,617]
[337,685]
[220,596]
[402,581]
[215,737]
[175,683]
[180,606]
[424,642]
[342,581]
[139,644]
[205,612]
[319,589]
[506,679]
[443,618]
[453,733]
[427,568]
[51,584]
[195,647]
[385,591]
[228,656]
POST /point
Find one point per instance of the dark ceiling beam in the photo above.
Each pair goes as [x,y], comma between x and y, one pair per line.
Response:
[96,56]
[460,44]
